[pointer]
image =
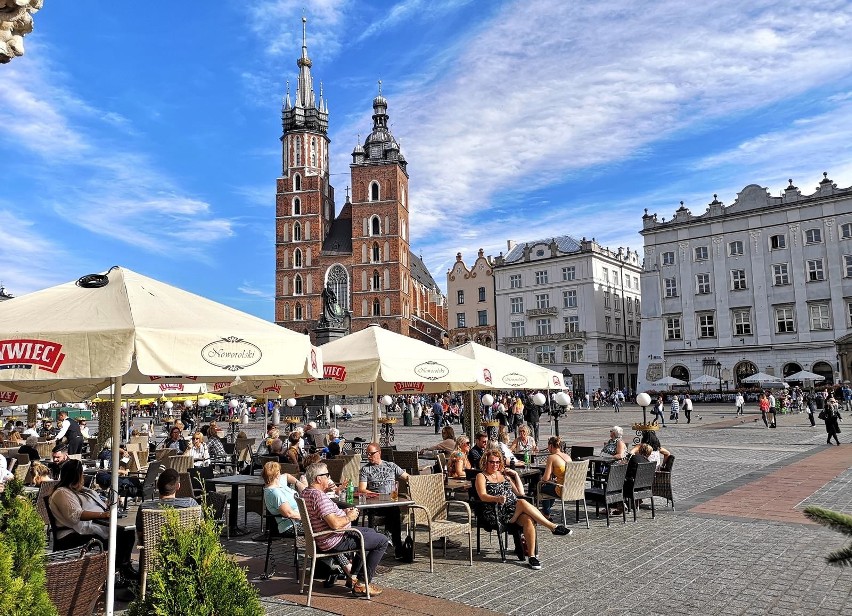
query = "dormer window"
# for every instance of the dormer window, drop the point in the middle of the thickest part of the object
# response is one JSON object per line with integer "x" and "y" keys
{"x": 374, "y": 191}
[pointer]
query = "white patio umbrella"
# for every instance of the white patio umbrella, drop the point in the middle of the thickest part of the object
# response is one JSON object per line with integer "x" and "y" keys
{"x": 804, "y": 375}
{"x": 704, "y": 379}
{"x": 668, "y": 381}
{"x": 378, "y": 361}
{"x": 498, "y": 370}
{"x": 122, "y": 327}
{"x": 761, "y": 378}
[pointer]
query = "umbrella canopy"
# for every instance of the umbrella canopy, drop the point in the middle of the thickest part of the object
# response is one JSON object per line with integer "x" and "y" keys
{"x": 804, "y": 375}
{"x": 668, "y": 381}
{"x": 156, "y": 390}
{"x": 124, "y": 326}
{"x": 498, "y": 370}
{"x": 705, "y": 379}
{"x": 761, "y": 378}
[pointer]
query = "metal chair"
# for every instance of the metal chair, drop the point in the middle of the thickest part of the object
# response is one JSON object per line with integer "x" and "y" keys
{"x": 483, "y": 522}
{"x": 293, "y": 469}
{"x": 430, "y": 510}
{"x": 643, "y": 483}
{"x": 312, "y": 551}
{"x": 272, "y": 534}
{"x": 254, "y": 504}
{"x": 153, "y": 521}
{"x": 217, "y": 505}
{"x": 149, "y": 483}
{"x": 611, "y": 492}
{"x": 581, "y": 451}
{"x": 573, "y": 489}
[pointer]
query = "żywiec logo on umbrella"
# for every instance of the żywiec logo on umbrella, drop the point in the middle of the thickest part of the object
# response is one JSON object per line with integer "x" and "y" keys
{"x": 169, "y": 387}
{"x": 25, "y": 354}
{"x": 231, "y": 353}
{"x": 431, "y": 370}
{"x": 513, "y": 379}
{"x": 332, "y": 372}
{"x": 404, "y": 386}
{"x": 486, "y": 376}
{"x": 9, "y": 396}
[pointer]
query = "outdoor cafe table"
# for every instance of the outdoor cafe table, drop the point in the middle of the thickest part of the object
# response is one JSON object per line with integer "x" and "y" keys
{"x": 235, "y": 481}
{"x": 595, "y": 464}
{"x": 373, "y": 502}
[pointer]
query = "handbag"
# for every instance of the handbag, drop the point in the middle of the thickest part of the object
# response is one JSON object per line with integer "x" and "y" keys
{"x": 408, "y": 549}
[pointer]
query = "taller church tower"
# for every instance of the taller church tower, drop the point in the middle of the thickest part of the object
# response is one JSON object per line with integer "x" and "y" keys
{"x": 304, "y": 201}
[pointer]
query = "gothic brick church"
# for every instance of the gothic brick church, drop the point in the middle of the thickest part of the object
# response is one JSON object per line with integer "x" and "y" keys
{"x": 363, "y": 251}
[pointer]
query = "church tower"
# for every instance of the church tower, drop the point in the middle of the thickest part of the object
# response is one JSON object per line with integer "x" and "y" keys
{"x": 380, "y": 248}
{"x": 304, "y": 201}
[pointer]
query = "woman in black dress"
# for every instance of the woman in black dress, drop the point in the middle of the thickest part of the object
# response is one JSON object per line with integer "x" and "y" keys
{"x": 830, "y": 415}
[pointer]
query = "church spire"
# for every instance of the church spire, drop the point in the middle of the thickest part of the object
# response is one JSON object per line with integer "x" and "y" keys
{"x": 304, "y": 112}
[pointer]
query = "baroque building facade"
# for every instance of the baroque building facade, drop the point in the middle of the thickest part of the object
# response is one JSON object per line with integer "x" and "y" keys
{"x": 470, "y": 302}
{"x": 761, "y": 285}
{"x": 361, "y": 253}
{"x": 571, "y": 305}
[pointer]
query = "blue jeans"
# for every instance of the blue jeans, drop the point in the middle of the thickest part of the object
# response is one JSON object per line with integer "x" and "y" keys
{"x": 549, "y": 489}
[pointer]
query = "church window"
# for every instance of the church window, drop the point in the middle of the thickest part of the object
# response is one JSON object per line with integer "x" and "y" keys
{"x": 298, "y": 147}
{"x": 298, "y": 312}
{"x": 297, "y": 206}
{"x": 377, "y": 308}
{"x": 297, "y": 285}
{"x": 375, "y": 226}
{"x": 297, "y": 182}
{"x": 374, "y": 191}
{"x": 339, "y": 281}
{"x": 377, "y": 255}
{"x": 297, "y": 258}
{"x": 313, "y": 151}
{"x": 377, "y": 281}
{"x": 297, "y": 232}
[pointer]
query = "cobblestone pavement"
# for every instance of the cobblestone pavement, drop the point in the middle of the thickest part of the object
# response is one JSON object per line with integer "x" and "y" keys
{"x": 682, "y": 562}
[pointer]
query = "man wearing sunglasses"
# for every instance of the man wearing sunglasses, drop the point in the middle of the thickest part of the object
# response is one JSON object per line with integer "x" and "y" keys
{"x": 380, "y": 477}
{"x": 325, "y": 515}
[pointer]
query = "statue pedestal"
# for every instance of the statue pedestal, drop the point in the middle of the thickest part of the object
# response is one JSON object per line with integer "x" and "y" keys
{"x": 327, "y": 334}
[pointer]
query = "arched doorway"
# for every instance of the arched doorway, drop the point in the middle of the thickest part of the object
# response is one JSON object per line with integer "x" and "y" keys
{"x": 680, "y": 372}
{"x": 823, "y": 368}
{"x": 791, "y": 368}
{"x": 742, "y": 370}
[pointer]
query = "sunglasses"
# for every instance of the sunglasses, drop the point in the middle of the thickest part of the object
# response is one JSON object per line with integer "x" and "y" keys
{"x": 323, "y": 475}
{"x": 493, "y": 461}
{"x": 371, "y": 453}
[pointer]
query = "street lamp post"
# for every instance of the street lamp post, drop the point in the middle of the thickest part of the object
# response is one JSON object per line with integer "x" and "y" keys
{"x": 719, "y": 372}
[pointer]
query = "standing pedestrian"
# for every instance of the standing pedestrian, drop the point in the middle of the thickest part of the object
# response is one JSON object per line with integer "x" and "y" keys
{"x": 810, "y": 403}
{"x": 763, "y": 404}
{"x": 830, "y": 415}
{"x": 675, "y": 409}
{"x": 687, "y": 408}
{"x": 739, "y": 403}
{"x": 657, "y": 411}
{"x": 437, "y": 414}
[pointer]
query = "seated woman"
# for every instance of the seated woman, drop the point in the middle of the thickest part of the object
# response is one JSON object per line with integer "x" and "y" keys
{"x": 215, "y": 444}
{"x": 81, "y": 514}
{"x": 39, "y": 473}
{"x": 658, "y": 453}
{"x": 333, "y": 443}
{"x": 448, "y": 445}
{"x": 458, "y": 462}
{"x": 497, "y": 484}
{"x": 29, "y": 448}
{"x": 615, "y": 446}
{"x": 554, "y": 473}
{"x": 175, "y": 441}
{"x": 524, "y": 443}
{"x": 280, "y": 498}
{"x": 199, "y": 451}
{"x": 642, "y": 453}
{"x": 293, "y": 454}
{"x": 503, "y": 445}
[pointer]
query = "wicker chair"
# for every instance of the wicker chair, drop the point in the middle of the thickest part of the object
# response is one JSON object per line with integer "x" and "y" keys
{"x": 217, "y": 504}
{"x": 431, "y": 509}
{"x": 335, "y": 469}
{"x": 663, "y": 481}
{"x": 313, "y": 553}
{"x": 45, "y": 448}
{"x": 180, "y": 463}
{"x": 184, "y": 486}
{"x": 611, "y": 492}
{"x": 22, "y": 472}
{"x": 573, "y": 489}
{"x": 163, "y": 454}
{"x": 293, "y": 469}
{"x": 153, "y": 521}
{"x": 149, "y": 483}
{"x": 407, "y": 460}
{"x": 254, "y": 503}
{"x": 642, "y": 486}
{"x": 75, "y": 578}
{"x": 45, "y": 489}
{"x": 272, "y": 534}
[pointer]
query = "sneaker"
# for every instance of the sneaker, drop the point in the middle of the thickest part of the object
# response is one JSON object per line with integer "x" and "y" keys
{"x": 534, "y": 563}
{"x": 360, "y": 589}
{"x": 562, "y": 530}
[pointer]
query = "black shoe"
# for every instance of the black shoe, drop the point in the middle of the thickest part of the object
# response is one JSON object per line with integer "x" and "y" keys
{"x": 534, "y": 563}
{"x": 399, "y": 553}
{"x": 562, "y": 530}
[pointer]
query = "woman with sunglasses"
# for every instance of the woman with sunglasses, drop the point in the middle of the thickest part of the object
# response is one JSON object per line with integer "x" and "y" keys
{"x": 497, "y": 484}
{"x": 199, "y": 451}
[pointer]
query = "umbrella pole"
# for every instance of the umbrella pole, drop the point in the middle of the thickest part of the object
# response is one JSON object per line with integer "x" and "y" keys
{"x": 375, "y": 438}
{"x": 113, "y": 499}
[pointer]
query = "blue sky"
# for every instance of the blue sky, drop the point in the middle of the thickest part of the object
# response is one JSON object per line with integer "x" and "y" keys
{"x": 150, "y": 138}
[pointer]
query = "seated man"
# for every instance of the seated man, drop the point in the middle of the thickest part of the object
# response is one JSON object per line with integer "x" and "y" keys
{"x": 380, "y": 477}
{"x": 167, "y": 485}
{"x": 325, "y": 515}
{"x": 59, "y": 456}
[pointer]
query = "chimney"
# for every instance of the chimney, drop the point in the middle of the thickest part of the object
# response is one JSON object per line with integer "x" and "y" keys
{"x": 510, "y": 244}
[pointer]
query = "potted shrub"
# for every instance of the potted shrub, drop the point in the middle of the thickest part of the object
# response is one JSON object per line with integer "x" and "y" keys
{"x": 23, "y": 589}
{"x": 193, "y": 574}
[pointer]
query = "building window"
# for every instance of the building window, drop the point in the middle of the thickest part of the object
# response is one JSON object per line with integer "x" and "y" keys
{"x": 460, "y": 319}
{"x": 376, "y": 253}
{"x": 607, "y": 324}
{"x": 569, "y": 273}
{"x": 738, "y": 280}
{"x": 815, "y": 270}
{"x": 606, "y": 299}
{"x": 820, "y": 316}
{"x": 637, "y": 312}
{"x": 617, "y": 302}
{"x": 608, "y": 349}
{"x": 572, "y": 353}
{"x": 569, "y": 298}
{"x": 632, "y": 354}
{"x": 605, "y": 275}
{"x": 541, "y": 277}
{"x": 516, "y": 305}
{"x": 669, "y": 258}
{"x": 297, "y": 182}
{"x": 542, "y": 300}
{"x": 297, "y": 258}
{"x": 735, "y": 249}
{"x": 482, "y": 317}
{"x": 377, "y": 308}
{"x": 671, "y": 287}
{"x": 780, "y": 274}
{"x": 515, "y": 281}
{"x": 777, "y": 242}
{"x": 706, "y": 326}
{"x": 701, "y": 253}
{"x": 702, "y": 284}
{"x": 297, "y": 206}
{"x": 617, "y": 325}
{"x": 482, "y": 294}
{"x": 673, "y": 330}
{"x": 545, "y": 354}
{"x": 629, "y": 305}
{"x": 619, "y": 351}
{"x": 340, "y": 283}
{"x": 849, "y": 310}
{"x": 846, "y": 231}
{"x": 517, "y": 329}
{"x": 813, "y": 236}
{"x": 375, "y": 226}
{"x": 626, "y": 281}
{"x": 297, "y": 285}
{"x": 572, "y": 323}
{"x": 460, "y": 297}
{"x": 377, "y": 281}
{"x": 297, "y": 312}
{"x": 542, "y": 327}
{"x": 784, "y": 323}
{"x": 374, "y": 191}
{"x": 847, "y": 266}
{"x": 518, "y": 352}
{"x": 742, "y": 322}
{"x": 629, "y": 327}
{"x": 297, "y": 232}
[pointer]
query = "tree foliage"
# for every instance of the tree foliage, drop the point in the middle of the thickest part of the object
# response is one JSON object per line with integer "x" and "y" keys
{"x": 839, "y": 522}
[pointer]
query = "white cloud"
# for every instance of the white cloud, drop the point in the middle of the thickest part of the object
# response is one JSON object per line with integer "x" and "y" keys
{"x": 250, "y": 289}
{"x": 276, "y": 21}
